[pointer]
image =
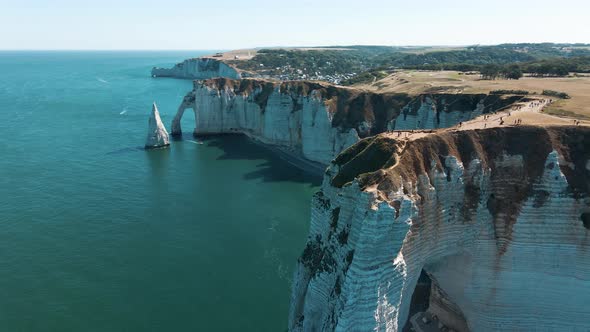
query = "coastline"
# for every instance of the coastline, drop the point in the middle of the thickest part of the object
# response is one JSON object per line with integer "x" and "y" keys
{"x": 296, "y": 160}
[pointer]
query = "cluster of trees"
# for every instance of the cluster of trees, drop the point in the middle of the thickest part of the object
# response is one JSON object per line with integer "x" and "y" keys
{"x": 548, "y": 50}
{"x": 493, "y": 71}
{"x": 474, "y": 57}
{"x": 508, "y": 61}
{"x": 509, "y": 92}
{"x": 557, "y": 94}
{"x": 366, "y": 77}
{"x": 557, "y": 67}
{"x": 324, "y": 61}
{"x": 357, "y": 59}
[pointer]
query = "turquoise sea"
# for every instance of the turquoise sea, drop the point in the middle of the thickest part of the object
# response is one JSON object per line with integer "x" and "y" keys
{"x": 97, "y": 234}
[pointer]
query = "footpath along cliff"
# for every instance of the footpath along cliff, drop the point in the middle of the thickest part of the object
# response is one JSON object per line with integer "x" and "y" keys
{"x": 497, "y": 218}
{"x": 316, "y": 120}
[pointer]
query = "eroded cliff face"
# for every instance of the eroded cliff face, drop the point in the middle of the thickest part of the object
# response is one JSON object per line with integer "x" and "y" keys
{"x": 317, "y": 121}
{"x": 198, "y": 68}
{"x": 499, "y": 219}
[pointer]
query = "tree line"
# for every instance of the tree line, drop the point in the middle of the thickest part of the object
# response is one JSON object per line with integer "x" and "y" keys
{"x": 503, "y": 61}
{"x": 555, "y": 67}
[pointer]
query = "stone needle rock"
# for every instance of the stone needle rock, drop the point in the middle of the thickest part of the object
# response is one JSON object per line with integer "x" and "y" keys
{"x": 157, "y": 136}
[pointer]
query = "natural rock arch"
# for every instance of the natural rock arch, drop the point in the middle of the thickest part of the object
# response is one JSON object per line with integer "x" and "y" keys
{"x": 176, "y": 126}
{"x": 421, "y": 295}
{"x": 433, "y": 289}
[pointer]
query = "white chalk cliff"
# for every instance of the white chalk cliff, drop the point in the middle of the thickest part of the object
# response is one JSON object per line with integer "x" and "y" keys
{"x": 317, "y": 121}
{"x": 157, "y": 136}
{"x": 198, "y": 68}
{"x": 498, "y": 218}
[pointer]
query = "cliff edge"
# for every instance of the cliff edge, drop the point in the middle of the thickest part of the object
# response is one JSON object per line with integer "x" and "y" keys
{"x": 198, "y": 68}
{"x": 318, "y": 120}
{"x": 497, "y": 218}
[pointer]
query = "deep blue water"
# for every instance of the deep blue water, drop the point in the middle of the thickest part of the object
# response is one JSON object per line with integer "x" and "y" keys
{"x": 97, "y": 234}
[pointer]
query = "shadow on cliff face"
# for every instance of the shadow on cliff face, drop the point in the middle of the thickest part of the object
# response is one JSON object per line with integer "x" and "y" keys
{"x": 273, "y": 167}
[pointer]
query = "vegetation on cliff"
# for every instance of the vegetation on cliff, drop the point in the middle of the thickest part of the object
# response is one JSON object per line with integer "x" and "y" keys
{"x": 362, "y": 64}
{"x": 392, "y": 160}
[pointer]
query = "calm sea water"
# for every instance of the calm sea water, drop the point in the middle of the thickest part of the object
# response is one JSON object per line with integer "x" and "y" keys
{"x": 97, "y": 234}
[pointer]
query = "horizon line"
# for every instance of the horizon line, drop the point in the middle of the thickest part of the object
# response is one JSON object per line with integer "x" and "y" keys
{"x": 281, "y": 46}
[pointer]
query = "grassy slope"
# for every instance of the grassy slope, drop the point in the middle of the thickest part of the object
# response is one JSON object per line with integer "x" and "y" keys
{"x": 417, "y": 82}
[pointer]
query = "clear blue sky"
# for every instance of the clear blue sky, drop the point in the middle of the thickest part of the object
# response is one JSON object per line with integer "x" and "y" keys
{"x": 230, "y": 24}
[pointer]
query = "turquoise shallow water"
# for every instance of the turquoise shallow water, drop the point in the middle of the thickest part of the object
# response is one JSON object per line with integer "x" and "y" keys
{"x": 97, "y": 234}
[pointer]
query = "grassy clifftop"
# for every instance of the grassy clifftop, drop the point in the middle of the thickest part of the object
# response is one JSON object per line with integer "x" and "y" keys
{"x": 368, "y": 112}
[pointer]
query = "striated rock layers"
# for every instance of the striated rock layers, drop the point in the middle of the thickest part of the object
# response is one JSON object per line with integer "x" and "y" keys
{"x": 157, "y": 136}
{"x": 498, "y": 218}
{"x": 317, "y": 121}
{"x": 198, "y": 68}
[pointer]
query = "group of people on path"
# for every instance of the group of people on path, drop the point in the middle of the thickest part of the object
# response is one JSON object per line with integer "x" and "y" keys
{"x": 408, "y": 132}
{"x": 487, "y": 116}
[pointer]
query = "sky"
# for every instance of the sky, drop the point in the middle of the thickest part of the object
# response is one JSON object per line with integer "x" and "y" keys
{"x": 232, "y": 24}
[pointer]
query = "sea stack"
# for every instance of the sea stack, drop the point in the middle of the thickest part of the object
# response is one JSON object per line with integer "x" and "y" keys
{"x": 157, "y": 135}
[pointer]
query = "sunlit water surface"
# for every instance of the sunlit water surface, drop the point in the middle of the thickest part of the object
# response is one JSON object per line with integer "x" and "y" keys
{"x": 97, "y": 234}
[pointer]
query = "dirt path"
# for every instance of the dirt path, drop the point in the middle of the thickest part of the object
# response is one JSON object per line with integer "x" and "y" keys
{"x": 529, "y": 113}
